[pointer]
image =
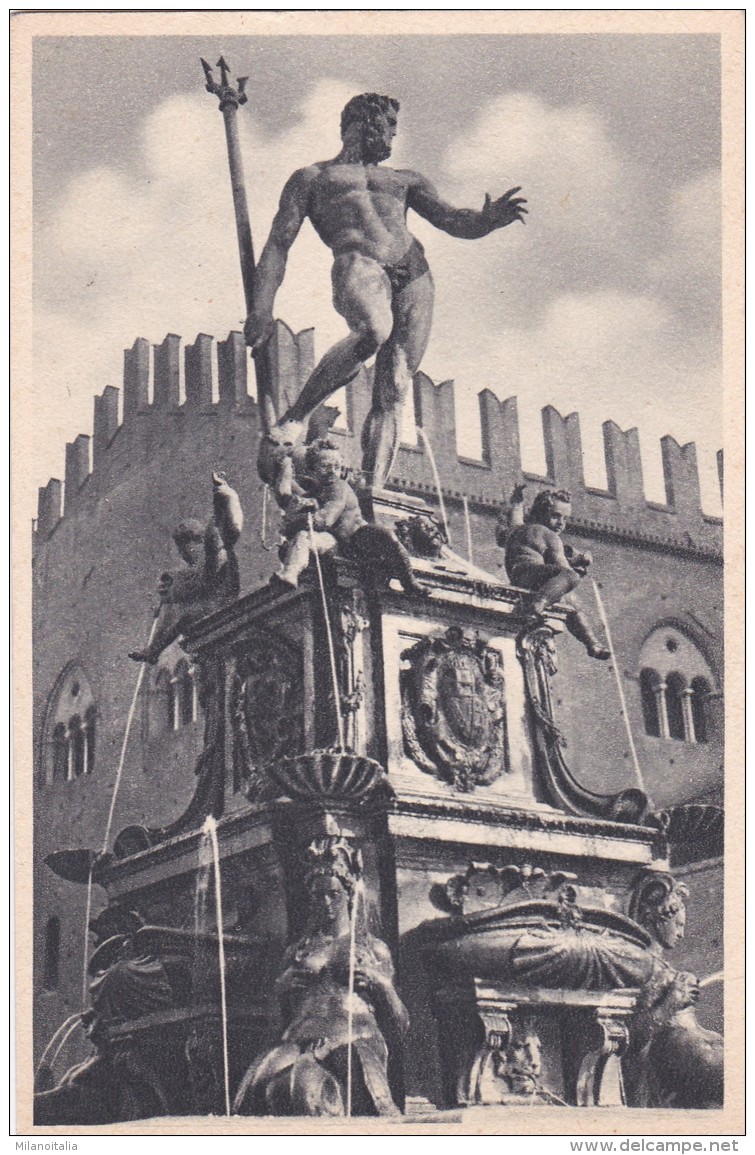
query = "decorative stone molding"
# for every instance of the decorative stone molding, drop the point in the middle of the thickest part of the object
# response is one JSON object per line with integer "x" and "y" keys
{"x": 536, "y": 650}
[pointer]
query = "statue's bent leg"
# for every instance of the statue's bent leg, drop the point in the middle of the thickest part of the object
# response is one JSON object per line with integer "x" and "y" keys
{"x": 549, "y": 583}
{"x": 362, "y": 295}
{"x": 578, "y": 625}
{"x": 297, "y": 556}
{"x": 396, "y": 363}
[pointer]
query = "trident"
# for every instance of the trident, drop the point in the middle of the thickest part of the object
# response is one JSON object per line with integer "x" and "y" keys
{"x": 230, "y": 98}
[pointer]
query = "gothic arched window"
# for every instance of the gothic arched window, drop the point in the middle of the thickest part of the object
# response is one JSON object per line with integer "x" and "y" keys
{"x": 651, "y": 714}
{"x": 59, "y": 752}
{"x": 90, "y": 728}
{"x": 78, "y": 751}
{"x": 699, "y": 702}
{"x": 675, "y": 691}
{"x": 188, "y": 697}
{"x": 675, "y": 687}
{"x": 67, "y": 749}
{"x": 176, "y": 692}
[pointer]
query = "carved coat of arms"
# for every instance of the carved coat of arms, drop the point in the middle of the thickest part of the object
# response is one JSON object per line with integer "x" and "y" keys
{"x": 453, "y": 708}
{"x": 266, "y": 707}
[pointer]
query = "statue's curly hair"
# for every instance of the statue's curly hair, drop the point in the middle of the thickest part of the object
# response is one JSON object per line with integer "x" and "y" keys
{"x": 657, "y": 895}
{"x": 321, "y": 445}
{"x": 543, "y": 504}
{"x": 365, "y": 107}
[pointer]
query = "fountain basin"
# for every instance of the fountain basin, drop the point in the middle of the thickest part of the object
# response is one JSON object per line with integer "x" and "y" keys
{"x": 329, "y": 774}
{"x": 529, "y": 943}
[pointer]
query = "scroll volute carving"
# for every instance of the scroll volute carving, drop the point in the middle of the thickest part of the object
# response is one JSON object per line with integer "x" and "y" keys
{"x": 353, "y": 621}
{"x": 537, "y": 653}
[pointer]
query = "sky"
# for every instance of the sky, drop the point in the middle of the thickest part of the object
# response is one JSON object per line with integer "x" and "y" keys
{"x": 607, "y": 302}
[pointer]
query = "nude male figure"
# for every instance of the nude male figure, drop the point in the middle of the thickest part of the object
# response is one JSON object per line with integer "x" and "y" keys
{"x": 382, "y": 285}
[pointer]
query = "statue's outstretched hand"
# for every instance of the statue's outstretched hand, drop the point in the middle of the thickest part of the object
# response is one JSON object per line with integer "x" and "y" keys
{"x": 258, "y": 328}
{"x": 504, "y": 211}
{"x": 580, "y": 562}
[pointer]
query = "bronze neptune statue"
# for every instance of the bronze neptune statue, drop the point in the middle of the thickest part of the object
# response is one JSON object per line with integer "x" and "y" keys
{"x": 382, "y": 285}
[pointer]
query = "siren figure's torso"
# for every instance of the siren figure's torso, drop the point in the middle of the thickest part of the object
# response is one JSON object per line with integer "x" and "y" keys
{"x": 318, "y": 984}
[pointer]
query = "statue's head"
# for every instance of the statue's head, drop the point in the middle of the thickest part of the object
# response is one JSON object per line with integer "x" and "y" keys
{"x": 371, "y": 119}
{"x": 332, "y": 873}
{"x": 685, "y": 990}
{"x": 524, "y": 1059}
{"x": 323, "y": 461}
{"x": 551, "y": 508}
{"x": 659, "y": 904}
{"x": 422, "y": 535}
{"x": 189, "y": 536}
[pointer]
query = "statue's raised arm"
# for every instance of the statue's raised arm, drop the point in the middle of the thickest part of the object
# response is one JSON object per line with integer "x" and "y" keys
{"x": 468, "y": 224}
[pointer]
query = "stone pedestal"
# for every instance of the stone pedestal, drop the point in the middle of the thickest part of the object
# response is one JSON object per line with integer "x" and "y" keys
{"x": 449, "y": 777}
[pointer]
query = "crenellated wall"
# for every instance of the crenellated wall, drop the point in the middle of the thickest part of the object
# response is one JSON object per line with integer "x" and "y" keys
{"x": 102, "y": 540}
{"x": 621, "y": 509}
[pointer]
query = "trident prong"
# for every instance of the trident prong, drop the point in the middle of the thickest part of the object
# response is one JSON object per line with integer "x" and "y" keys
{"x": 228, "y": 96}
{"x": 210, "y": 85}
{"x": 224, "y": 70}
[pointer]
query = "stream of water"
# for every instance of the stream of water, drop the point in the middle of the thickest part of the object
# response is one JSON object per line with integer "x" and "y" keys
{"x": 622, "y": 699}
{"x": 210, "y": 829}
{"x": 358, "y": 898}
{"x": 436, "y": 476}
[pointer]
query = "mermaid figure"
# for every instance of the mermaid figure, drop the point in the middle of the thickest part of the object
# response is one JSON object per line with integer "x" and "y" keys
{"x": 330, "y": 1034}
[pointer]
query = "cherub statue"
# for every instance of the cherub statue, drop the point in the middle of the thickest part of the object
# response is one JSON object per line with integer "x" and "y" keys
{"x": 307, "y": 1072}
{"x": 538, "y": 560}
{"x": 211, "y": 576}
{"x": 314, "y": 485}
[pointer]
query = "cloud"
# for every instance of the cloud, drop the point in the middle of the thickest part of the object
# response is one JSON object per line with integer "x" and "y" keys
{"x": 618, "y": 355}
{"x": 562, "y": 156}
{"x": 152, "y": 250}
{"x": 605, "y": 303}
{"x": 687, "y": 269}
